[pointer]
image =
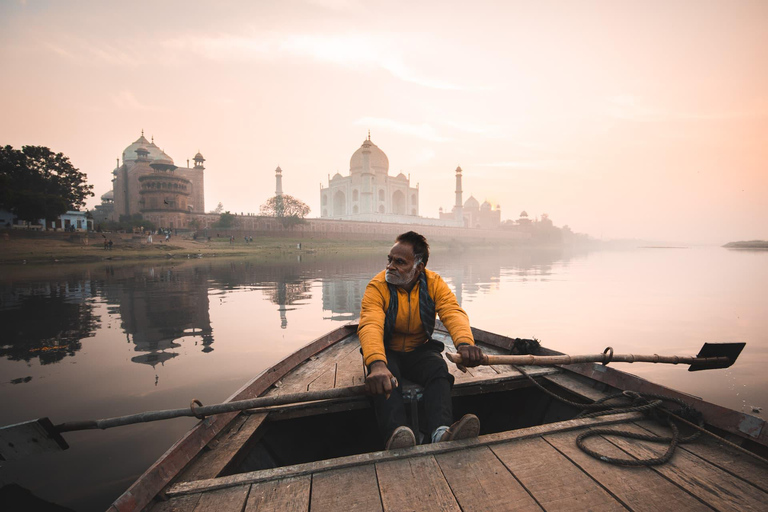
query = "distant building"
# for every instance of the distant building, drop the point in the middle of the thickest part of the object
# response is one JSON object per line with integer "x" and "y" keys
{"x": 472, "y": 214}
{"x": 369, "y": 193}
{"x": 149, "y": 183}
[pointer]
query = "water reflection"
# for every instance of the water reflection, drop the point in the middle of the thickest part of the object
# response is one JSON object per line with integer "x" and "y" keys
{"x": 46, "y": 321}
{"x": 162, "y": 305}
{"x": 158, "y": 306}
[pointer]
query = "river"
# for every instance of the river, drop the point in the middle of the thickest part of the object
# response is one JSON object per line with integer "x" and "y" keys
{"x": 88, "y": 342}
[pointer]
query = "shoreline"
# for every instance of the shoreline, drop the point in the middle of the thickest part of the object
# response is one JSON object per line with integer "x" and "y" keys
{"x": 45, "y": 248}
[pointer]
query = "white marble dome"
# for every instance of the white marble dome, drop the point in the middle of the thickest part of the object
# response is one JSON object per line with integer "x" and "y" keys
{"x": 377, "y": 159}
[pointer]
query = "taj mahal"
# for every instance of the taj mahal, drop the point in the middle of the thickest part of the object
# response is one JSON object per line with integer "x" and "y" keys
{"x": 370, "y": 194}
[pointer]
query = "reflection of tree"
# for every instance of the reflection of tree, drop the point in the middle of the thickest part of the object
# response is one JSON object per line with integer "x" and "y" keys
{"x": 46, "y": 321}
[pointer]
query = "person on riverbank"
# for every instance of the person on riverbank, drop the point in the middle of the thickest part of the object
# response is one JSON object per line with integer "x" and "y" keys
{"x": 396, "y": 323}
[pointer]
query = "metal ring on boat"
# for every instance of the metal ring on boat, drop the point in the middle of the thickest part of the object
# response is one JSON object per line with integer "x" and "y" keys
{"x": 609, "y": 352}
{"x": 198, "y": 403}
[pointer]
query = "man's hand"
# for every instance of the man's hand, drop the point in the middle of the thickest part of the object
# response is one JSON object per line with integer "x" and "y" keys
{"x": 471, "y": 355}
{"x": 380, "y": 380}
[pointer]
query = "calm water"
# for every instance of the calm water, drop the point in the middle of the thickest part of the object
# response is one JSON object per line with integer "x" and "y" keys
{"x": 100, "y": 341}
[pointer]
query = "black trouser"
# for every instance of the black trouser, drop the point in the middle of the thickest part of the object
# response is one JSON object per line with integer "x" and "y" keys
{"x": 424, "y": 366}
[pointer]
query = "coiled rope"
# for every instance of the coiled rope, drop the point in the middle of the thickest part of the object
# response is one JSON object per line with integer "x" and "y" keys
{"x": 631, "y": 401}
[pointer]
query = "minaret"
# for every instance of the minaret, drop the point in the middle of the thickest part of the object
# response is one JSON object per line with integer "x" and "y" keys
{"x": 458, "y": 208}
{"x": 278, "y": 181}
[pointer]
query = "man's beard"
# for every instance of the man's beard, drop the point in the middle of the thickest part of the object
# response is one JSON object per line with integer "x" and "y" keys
{"x": 397, "y": 279}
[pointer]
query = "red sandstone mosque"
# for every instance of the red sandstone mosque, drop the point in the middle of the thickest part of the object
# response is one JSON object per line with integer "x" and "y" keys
{"x": 149, "y": 183}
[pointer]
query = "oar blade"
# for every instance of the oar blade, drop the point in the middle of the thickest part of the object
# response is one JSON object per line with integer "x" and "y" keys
{"x": 730, "y": 351}
{"x": 28, "y": 438}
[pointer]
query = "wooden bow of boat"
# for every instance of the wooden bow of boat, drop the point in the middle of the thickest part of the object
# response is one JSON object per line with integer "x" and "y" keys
{"x": 245, "y": 461}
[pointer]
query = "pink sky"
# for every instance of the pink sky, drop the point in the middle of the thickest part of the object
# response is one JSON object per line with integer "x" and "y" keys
{"x": 643, "y": 119}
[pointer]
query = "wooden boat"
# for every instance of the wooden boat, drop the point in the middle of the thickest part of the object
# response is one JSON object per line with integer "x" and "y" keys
{"x": 326, "y": 455}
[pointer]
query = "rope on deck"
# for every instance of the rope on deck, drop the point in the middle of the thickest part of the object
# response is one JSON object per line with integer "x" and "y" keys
{"x": 631, "y": 401}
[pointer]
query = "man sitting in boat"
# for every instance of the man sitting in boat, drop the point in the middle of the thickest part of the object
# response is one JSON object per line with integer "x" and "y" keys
{"x": 396, "y": 325}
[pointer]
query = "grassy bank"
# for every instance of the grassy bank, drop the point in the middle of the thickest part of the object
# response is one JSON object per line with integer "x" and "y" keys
{"x": 45, "y": 248}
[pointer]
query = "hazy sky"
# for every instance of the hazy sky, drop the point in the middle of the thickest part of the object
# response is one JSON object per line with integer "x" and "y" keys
{"x": 644, "y": 119}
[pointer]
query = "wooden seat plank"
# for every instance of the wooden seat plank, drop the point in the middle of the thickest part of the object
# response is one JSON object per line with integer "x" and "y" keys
{"x": 288, "y": 495}
{"x": 414, "y": 484}
{"x": 722, "y": 456}
{"x": 222, "y": 450}
{"x": 223, "y": 500}
{"x": 346, "y": 489}
{"x": 480, "y": 482}
{"x": 639, "y": 488}
{"x": 552, "y": 479}
{"x": 719, "y": 489}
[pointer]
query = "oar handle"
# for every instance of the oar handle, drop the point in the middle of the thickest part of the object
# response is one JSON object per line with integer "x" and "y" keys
{"x": 605, "y": 358}
{"x": 201, "y": 411}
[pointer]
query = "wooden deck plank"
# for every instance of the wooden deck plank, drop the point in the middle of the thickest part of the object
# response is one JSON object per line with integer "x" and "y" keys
{"x": 326, "y": 380}
{"x": 553, "y": 480}
{"x": 709, "y": 483}
{"x": 414, "y": 484}
{"x": 212, "y": 462}
{"x": 722, "y": 456}
{"x": 225, "y": 500}
{"x": 639, "y": 488}
{"x": 480, "y": 482}
{"x": 300, "y": 378}
{"x": 346, "y": 489}
{"x": 178, "y": 504}
{"x": 309, "y": 468}
{"x": 289, "y": 495}
{"x": 349, "y": 370}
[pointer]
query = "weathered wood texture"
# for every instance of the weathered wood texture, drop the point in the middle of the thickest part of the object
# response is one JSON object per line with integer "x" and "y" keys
{"x": 414, "y": 484}
{"x": 346, "y": 490}
{"x": 383, "y": 456}
{"x": 639, "y": 488}
{"x": 722, "y": 456}
{"x": 289, "y": 495}
{"x": 712, "y": 485}
{"x": 553, "y": 481}
{"x": 223, "y": 450}
{"x": 225, "y": 500}
{"x": 178, "y": 504}
{"x": 480, "y": 482}
{"x": 173, "y": 461}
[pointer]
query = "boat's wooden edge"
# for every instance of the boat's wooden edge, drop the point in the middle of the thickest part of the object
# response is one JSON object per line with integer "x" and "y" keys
{"x": 734, "y": 422}
{"x": 265, "y": 475}
{"x": 176, "y": 458}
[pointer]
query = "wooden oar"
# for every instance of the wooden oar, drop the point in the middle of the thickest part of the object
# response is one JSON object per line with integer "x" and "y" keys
{"x": 41, "y": 435}
{"x": 711, "y": 356}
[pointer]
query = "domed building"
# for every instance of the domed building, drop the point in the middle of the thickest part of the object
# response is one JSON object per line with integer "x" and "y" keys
{"x": 369, "y": 193}
{"x": 149, "y": 183}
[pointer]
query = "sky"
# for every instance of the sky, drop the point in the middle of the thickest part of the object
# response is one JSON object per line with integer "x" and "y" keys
{"x": 621, "y": 119}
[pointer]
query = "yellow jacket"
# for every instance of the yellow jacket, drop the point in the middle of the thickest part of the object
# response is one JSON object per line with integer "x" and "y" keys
{"x": 408, "y": 332}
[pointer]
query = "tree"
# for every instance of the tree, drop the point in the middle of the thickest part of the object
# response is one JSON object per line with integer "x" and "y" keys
{"x": 219, "y": 208}
{"x": 284, "y": 206}
{"x": 36, "y": 183}
{"x": 227, "y": 220}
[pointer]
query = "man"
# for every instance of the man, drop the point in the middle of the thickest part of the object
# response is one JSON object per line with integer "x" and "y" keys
{"x": 396, "y": 323}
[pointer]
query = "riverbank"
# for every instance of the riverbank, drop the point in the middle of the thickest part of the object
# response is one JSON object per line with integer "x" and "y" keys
{"x": 46, "y": 248}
